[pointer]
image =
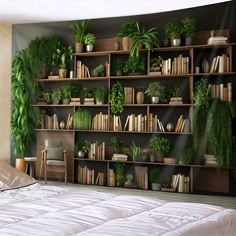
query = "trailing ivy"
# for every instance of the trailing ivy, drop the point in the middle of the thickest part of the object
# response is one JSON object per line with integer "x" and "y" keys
{"x": 218, "y": 137}
{"x": 117, "y": 98}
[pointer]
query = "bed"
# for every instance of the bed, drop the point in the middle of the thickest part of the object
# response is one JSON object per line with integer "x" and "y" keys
{"x": 29, "y": 208}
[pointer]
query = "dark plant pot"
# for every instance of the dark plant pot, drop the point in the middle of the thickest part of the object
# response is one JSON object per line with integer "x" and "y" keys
{"x": 79, "y": 47}
{"x": 188, "y": 41}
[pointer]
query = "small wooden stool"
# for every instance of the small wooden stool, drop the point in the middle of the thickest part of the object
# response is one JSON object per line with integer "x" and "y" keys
{"x": 30, "y": 164}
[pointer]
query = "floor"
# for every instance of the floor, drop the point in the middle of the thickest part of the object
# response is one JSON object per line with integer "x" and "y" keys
{"x": 224, "y": 201}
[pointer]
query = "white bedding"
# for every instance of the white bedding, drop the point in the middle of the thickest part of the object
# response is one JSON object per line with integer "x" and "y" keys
{"x": 48, "y": 210}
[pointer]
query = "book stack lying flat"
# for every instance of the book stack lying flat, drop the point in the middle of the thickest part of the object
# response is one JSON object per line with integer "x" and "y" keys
{"x": 119, "y": 157}
{"x": 217, "y": 40}
{"x": 210, "y": 160}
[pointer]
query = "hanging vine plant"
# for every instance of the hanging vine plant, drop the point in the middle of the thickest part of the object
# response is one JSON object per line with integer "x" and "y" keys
{"x": 218, "y": 139}
{"x": 117, "y": 98}
{"x": 23, "y": 120}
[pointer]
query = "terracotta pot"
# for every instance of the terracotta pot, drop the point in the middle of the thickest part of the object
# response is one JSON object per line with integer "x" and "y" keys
{"x": 62, "y": 73}
{"x": 79, "y": 47}
{"x": 126, "y": 43}
{"x": 169, "y": 160}
{"x": 20, "y": 164}
{"x": 140, "y": 97}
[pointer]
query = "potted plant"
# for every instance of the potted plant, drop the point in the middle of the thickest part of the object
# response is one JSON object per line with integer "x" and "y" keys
{"x": 66, "y": 94}
{"x": 117, "y": 98}
{"x": 82, "y": 119}
{"x": 133, "y": 66}
{"x": 135, "y": 150}
{"x": 141, "y": 37}
{"x": 23, "y": 117}
{"x": 161, "y": 146}
{"x": 174, "y": 31}
{"x": 56, "y": 96}
{"x": 89, "y": 40}
{"x": 186, "y": 155}
{"x": 125, "y": 33}
{"x": 155, "y": 91}
{"x": 100, "y": 95}
{"x": 83, "y": 148}
{"x": 70, "y": 59}
{"x": 116, "y": 143}
{"x": 156, "y": 65}
{"x": 189, "y": 27}
{"x": 80, "y": 30}
{"x": 120, "y": 173}
{"x": 98, "y": 71}
{"x": 155, "y": 178}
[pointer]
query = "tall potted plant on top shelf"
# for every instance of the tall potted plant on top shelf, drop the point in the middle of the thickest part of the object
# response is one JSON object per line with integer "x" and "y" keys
{"x": 125, "y": 33}
{"x": 189, "y": 26}
{"x": 174, "y": 32}
{"x": 80, "y": 30}
{"x": 142, "y": 37}
{"x": 89, "y": 41}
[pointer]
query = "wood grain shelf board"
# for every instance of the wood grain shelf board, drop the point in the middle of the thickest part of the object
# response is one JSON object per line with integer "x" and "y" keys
{"x": 71, "y": 79}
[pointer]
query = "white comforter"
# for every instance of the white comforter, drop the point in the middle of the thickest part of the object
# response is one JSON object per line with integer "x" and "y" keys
{"x": 46, "y": 210}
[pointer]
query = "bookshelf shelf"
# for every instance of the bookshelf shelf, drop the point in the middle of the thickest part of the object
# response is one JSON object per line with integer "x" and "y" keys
{"x": 166, "y": 113}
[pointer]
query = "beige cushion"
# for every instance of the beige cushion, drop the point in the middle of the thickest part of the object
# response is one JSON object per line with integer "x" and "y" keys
{"x": 55, "y": 163}
{"x": 53, "y": 143}
{"x": 11, "y": 178}
{"x": 55, "y": 154}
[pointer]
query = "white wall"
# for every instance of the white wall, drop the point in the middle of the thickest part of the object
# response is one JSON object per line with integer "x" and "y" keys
{"x": 5, "y": 89}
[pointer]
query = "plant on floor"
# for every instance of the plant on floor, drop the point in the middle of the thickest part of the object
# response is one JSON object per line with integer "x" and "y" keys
{"x": 117, "y": 98}
{"x": 23, "y": 118}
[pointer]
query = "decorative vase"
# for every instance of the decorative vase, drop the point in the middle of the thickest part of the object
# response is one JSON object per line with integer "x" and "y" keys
{"x": 169, "y": 127}
{"x": 62, "y": 124}
{"x": 116, "y": 44}
{"x": 81, "y": 154}
{"x": 71, "y": 74}
{"x": 89, "y": 48}
{"x": 140, "y": 97}
{"x": 79, "y": 47}
{"x": 205, "y": 66}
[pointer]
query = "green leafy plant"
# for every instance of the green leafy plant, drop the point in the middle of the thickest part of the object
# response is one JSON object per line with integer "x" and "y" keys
{"x": 135, "y": 150}
{"x": 160, "y": 144}
{"x": 186, "y": 156}
{"x": 173, "y": 29}
{"x": 155, "y": 89}
{"x": 66, "y": 91}
{"x": 98, "y": 71}
{"x": 75, "y": 89}
{"x": 155, "y": 175}
{"x": 117, "y": 98}
{"x": 189, "y": 25}
{"x": 100, "y": 94}
{"x": 218, "y": 141}
{"x": 44, "y": 97}
{"x": 80, "y": 30}
{"x": 84, "y": 146}
{"x": 133, "y": 64}
{"x": 156, "y": 62}
{"x": 141, "y": 36}
{"x": 56, "y": 95}
{"x": 60, "y": 56}
{"x": 89, "y": 39}
{"x": 116, "y": 142}
{"x": 82, "y": 119}
{"x": 119, "y": 168}
{"x": 202, "y": 102}
{"x": 127, "y": 28}
{"x": 23, "y": 117}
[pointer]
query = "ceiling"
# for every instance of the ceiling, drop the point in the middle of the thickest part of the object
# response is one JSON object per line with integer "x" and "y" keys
{"x": 36, "y": 11}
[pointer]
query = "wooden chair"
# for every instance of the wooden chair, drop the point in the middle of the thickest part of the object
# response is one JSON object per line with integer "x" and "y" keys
{"x": 53, "y": 159}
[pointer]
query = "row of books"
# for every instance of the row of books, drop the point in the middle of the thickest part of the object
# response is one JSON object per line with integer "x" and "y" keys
{"x": 177, "y": 65}
{"x": 220, "y": 64}
{"x": 180, "y": 183}
{"x": 105, "y": 122}
{"x": 87, "y": 176}
{"x": 129, "y": 95}
{"x": 221, "y": 91}
{"x": 97, "y": 151}
{"x": 48, "y": 121}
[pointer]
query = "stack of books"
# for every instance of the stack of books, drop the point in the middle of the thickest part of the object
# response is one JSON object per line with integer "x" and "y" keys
{"x": 217, "y": 40}
{"x": 210, "y": 160}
